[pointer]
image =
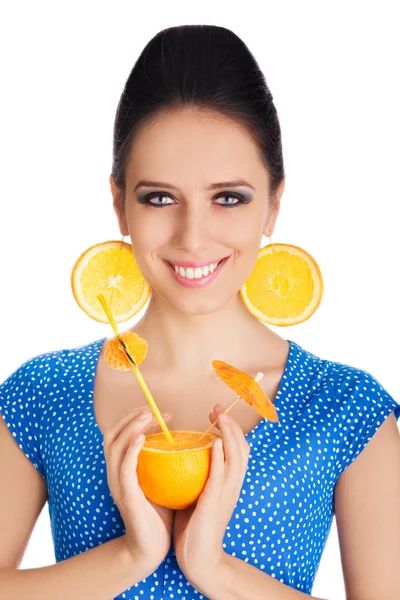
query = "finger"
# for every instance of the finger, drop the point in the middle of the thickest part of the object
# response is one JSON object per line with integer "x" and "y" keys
{"x": 217, "y": 469}
{"x": 141, "y": 423}
{"x": 167, "y": 418}
{"x": 113, "y": 459}
{"x": 215, "y": 412}
{"x": 236, "y": 457}
{"x": 116, "y": 450}
{"x": 237, "y": 467}
{"x": 113, "y": 432}
{"x": 232, "y": 450}
{"x": 215, "y": 482}
{"x": 127, "y": 474}
{"x": 154, "y": 421}
{"x": 213, "y": 419}
{"x": 244, "y": 446}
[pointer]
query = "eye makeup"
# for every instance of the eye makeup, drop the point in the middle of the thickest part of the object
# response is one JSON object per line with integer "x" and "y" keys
{"x": 241, "y": 197}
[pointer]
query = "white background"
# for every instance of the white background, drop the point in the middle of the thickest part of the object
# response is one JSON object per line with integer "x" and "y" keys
{"x": 333, "y": 72}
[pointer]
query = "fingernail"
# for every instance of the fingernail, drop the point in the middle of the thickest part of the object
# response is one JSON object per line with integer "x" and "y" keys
{"x": 139, "y": 439}
{"x": 144, "y": 416}
{"x": 225, "y": 418}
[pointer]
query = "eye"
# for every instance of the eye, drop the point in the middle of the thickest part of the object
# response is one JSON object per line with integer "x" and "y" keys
{"x": 240, "y": 199}
{"x": 157, "y": 195}
{"x": 234, "y": 198}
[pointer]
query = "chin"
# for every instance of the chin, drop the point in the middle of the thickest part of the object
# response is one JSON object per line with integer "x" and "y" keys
{"x": 199, "y": 306}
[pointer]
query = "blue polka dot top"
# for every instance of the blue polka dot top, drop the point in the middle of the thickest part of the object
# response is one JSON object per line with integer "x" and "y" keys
{"x": 328, "y": 411}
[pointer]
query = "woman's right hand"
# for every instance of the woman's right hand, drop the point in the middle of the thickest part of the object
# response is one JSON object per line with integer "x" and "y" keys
{"x": 148, "y": 526}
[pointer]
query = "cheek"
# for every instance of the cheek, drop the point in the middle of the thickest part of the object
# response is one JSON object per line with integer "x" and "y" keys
{"x": 245, "y": 237}
{"x": 243, "y": 234}
{"x": 148, "y": 234}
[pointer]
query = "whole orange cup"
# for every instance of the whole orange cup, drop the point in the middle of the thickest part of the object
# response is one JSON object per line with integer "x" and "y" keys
{"x": 174, "y": 476}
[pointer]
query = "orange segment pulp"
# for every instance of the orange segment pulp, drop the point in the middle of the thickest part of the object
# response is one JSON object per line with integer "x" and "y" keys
{"x": 115, "y": 357}
{"x": 285, "y": 287}
{"x": 109, "y": 268}
{"x": 175, "y": 476}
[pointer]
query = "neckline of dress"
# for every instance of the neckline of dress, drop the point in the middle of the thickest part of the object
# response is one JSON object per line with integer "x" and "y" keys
{"x": 294, "y": 348}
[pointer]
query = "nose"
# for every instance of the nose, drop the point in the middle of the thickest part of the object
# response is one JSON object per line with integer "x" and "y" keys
{"x": 192, "y": 229}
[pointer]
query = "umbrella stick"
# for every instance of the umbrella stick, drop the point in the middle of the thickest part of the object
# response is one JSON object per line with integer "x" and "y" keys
{"x": 257, "y": 378}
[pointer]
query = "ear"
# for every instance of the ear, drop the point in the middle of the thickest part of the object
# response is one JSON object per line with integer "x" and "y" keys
{"x": 274, "y": 211}
{"x": 119, "y": 206}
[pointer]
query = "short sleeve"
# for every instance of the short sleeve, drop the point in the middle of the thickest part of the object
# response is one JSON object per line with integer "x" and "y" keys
{"x": 364, "y": 404}
{"x": 21, "y": 412}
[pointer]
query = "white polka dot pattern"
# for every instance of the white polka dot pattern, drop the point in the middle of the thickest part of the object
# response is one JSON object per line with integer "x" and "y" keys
{"x": 328, "y": 411}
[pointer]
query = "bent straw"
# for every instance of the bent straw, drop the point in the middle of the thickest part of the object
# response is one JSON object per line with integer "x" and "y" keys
{"x": 257, "y": 378}
{"x": 134, "y": 367}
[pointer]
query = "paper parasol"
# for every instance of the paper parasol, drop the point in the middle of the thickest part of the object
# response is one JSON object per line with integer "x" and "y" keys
{"x": 247, "y": 388}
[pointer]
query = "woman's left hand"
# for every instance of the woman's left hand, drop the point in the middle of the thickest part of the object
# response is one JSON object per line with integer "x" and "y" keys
{"x": 199, "y": 529}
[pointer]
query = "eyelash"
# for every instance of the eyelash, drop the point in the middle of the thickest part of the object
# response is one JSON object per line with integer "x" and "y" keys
{"x": 241, "y": 199}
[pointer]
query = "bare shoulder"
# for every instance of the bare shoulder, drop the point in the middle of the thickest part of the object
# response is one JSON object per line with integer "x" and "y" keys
{"x": 367, "y": 510}
{"x": 23, "y": 494}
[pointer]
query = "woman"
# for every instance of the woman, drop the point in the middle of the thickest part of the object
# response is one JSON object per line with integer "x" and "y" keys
{"x": 195, "y": 112}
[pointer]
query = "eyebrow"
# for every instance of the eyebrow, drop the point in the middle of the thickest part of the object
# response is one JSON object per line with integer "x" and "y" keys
{"x": 213, "y": 186}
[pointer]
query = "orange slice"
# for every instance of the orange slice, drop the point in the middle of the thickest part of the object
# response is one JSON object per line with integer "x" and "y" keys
{"x": 247, "y": 388}
{"x": 174, "y": 476}
{"x": 110, "y": 269}
{"x": 115, "y": 357}
{"x": 285, "y": 287}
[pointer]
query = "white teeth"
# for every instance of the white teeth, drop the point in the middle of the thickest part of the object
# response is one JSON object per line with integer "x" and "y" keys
{"x": 196, "y": 273}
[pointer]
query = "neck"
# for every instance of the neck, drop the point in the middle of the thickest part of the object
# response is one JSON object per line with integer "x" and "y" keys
{"x": 191, "y": 342}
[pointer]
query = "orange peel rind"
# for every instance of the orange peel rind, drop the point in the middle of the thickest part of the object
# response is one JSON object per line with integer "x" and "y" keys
{"x": 110, "y": 269}
{"x": 175, "y": 476}
{"x": 285, "y": 287}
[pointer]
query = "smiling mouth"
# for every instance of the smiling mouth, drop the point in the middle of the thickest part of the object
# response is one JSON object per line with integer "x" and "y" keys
{"x": 197, "y": 282}
{"x": 218, "y": 263}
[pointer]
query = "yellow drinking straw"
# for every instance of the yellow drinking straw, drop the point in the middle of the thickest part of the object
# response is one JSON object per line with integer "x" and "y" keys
{"x": 136, "y": 371}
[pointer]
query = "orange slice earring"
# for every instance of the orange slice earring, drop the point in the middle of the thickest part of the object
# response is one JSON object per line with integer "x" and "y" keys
{"x": 285, "y": 286}
{"x": 109, "y": 268}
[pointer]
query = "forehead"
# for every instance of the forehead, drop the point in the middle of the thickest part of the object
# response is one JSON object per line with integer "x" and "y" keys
{"x": 187, "y": 146}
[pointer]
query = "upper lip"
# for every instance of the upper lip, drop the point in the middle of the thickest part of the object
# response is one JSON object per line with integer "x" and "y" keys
{"x": 194, "y": 265}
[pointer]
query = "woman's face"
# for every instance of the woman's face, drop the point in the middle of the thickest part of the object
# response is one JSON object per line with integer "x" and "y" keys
{"x": 186, "y": 216}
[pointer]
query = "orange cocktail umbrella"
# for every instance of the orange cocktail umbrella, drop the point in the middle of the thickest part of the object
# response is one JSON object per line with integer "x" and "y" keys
{"x": 247, "y": 388}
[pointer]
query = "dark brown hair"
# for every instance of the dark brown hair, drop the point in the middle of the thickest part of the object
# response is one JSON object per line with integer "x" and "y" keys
{"x": 205, "y": 67}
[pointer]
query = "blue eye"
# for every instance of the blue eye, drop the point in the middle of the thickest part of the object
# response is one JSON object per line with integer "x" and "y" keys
{"x": 156, "y": 195}
{"x": 230, "y": 195}
{"x": 240, "y": 199}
